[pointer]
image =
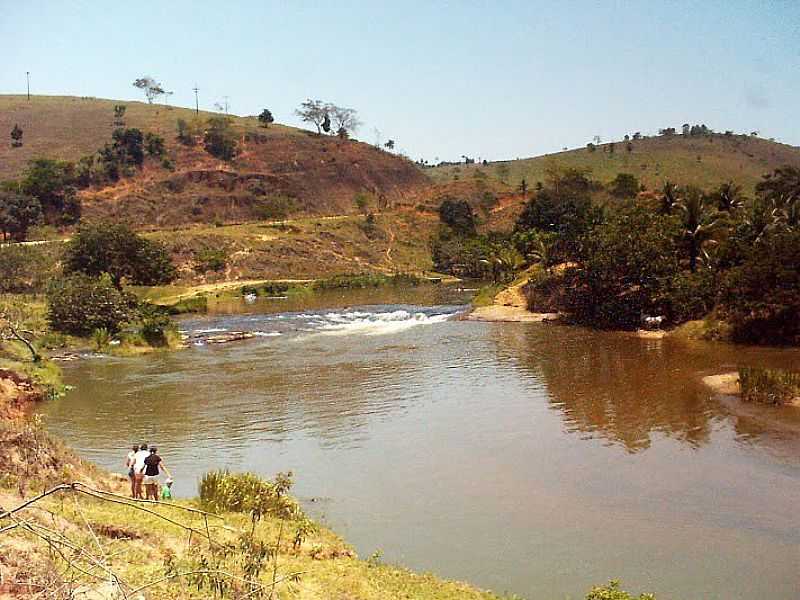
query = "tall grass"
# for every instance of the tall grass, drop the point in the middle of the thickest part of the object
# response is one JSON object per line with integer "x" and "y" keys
{"x": 768, "y": 386}
{"x": 223, "y": 491}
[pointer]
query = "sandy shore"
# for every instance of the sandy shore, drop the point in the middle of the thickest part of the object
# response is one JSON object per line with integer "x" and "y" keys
{"x": 726, "y": 384}
{"x": 510, "y": 306}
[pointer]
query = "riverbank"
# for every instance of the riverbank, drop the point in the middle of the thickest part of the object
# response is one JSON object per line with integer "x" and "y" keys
{"x": 84, "y": 539}
{"x": 509, "y": 306}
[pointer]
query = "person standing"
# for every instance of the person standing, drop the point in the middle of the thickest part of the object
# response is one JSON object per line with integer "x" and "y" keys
{"x": 138, "y": 471}
{"x": 153, "y": 466}
{"x": 129, "y": 462}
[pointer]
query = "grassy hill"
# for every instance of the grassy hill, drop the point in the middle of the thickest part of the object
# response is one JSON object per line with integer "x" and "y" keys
{"x": 321, "y": 174}
{"x": 705, "y": 161}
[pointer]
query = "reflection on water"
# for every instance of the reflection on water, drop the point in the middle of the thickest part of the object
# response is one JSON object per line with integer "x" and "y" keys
{"x": 524, "y": 457}
{"x": 624, "y": 389}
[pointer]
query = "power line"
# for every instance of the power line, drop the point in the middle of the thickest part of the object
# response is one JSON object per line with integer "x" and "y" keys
{"x": 196, "y": 102}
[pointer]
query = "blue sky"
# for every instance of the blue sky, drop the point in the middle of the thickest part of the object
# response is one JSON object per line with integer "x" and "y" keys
{"x": 492, "y": 80}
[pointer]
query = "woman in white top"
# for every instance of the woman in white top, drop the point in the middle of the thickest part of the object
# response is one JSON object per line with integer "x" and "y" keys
{"x": 129, "y": 462}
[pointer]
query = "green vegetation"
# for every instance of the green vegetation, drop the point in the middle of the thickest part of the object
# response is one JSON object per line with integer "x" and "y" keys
{"x": 674, "y": 258}
{"x": 211, "y": 259}
{"x": 365, "y": 280}
{"x": 119, "y": 252}
{"x": 219, "y": 138}
{"x": 652, "y": 160}
{"x": 613, "y": 592}
{"x": 768, "y": 386}
{"x": 222, "y": 491}
{"x": 80, "y": 304}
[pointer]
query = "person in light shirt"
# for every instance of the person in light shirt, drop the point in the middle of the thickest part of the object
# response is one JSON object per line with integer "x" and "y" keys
{"x": 129, "y": 462}
{"x": 138, "y": 471}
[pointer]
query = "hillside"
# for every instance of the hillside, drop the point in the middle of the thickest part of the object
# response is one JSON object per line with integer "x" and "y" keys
{"x": 705, "y": 161}
{"x": 321, "y": 174}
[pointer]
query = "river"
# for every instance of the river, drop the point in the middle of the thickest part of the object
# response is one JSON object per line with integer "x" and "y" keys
{"x": 531, "y": 458}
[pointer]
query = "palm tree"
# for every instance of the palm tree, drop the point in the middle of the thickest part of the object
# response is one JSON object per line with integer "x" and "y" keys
{"x": 669, "y": 198}
{"x": 729, "y": 197}
{"x": 698, "y": 224}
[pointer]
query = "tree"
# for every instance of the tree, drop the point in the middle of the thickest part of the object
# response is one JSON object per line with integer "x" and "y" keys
{"x": 154, "y": 145}
{"x": 669, "y": 198}
{"x": 265, "y": 118}
{"x": 623, "y": 267}
{"x": 119, "y": 115}
{"x": 761, "y": 297}
{"x": 781, "y": 186}
{"x": 17, "y": 213}
{"x": 219, "y": 139}
{"x": 316, "y": 112}
{"x": 344, "y": 120}
{"x": 129, "y": 146}
{"x": 686, "y": 129}
{"x": 698, "y": 224}
{"x": 151, "y": 88}
{"x": 16, "y": 136}
{"x": 523, "y": 188}
{"x": 79, "y": 304}
{"x": 389, "y": 145}
{"x": 52, "y": 183}
{"x": 458, "y": 215}
{"x": 729, "y": 197}
{"x": 118, "y": 251}
{"x": 624, "y": 185}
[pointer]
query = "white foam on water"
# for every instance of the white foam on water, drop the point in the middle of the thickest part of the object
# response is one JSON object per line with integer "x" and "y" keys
{"x": 366, "y": 323}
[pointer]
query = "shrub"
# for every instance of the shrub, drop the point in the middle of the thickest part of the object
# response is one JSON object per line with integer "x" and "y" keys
{"x": 612, "y": 592}
{"x": 101, "y": 338}
{"x": 691, "y": 295}
{"x": 275, "y": 208}
{"x": 625, "y": 267}
{"x": 624, "y": 185}
{"x": 26, "y": 269}
{"x": 458, "y": 215}
{"x": 211, "y": 259}
{"x": 80, "y": 304}
{"x": 219, "y": 139}
{"x": 154, "y": 324}
{"x": 768, "y": 386}
{"x": 223, "y": 491}
{"x": 154, "y": 145}
{"x": 118, "y": 251}
{"x": 761, "y": 297}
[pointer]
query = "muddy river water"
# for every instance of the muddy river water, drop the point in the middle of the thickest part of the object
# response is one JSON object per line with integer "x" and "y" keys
{"x": 530, "y": 458}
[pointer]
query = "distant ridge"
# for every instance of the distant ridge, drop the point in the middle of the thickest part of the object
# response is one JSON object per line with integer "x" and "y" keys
{"x": 702, "y": 160}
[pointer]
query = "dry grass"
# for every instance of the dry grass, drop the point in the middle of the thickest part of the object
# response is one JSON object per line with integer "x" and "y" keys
{"x": 704, "y": 161}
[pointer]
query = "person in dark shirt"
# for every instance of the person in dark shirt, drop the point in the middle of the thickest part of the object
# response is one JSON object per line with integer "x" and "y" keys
{"x": 153, "y": 465}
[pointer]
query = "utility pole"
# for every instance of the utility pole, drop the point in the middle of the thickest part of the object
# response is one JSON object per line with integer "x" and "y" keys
{"x": 196, "y": 102}
{"x": 226, "y": 103}
{"x": 28, "y": 77}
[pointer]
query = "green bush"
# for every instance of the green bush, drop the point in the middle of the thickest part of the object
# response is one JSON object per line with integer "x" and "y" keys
{"x": 118, "y": 251}
{"x": 195, "y": 304}
{"x": 211, "y": 259}
{"x": 80, "y": 304}
{"x": 275, "y": 208}
{"x": 761, "y": 296}
{"x": 154, "y": 323}
{"x": 624, "y": 270}
{"x": 219, "y": 139}
{"x": 223, "y": 491}
{"x": 612, "y": 592}
{"x": 28, "y": 269}
{"x": 768, "y": 386}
